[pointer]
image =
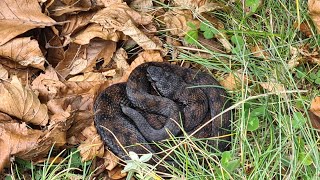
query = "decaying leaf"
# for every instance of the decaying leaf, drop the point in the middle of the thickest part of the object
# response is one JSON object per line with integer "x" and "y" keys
{"x": 315, "y": 106}
{"x": 93, "y": 145}
{"x": 22, "y": 103}
{"x": 274, "y": 87}
{"x": 115, "y": 173}
{"x": 314, "y": 11}
{"x": 19, "y": 16}
{"x": 3, "y": 73}
{"x": 23, "y": 51}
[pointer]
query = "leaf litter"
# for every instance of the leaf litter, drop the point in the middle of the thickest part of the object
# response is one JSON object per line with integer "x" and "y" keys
{"x": 56, "y": 56}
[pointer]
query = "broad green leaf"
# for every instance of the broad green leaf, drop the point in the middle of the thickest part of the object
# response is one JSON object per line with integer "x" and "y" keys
{"x": 253, "y": 123}
{"x": 253, "y": 5}
{"x": 305, "y": 158}
{"x": 258, "y": 111}
{"x": 191, "y": 36}
{"x": 317, "y": 81}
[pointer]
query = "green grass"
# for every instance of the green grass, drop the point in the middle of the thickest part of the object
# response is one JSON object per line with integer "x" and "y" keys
{"x": 271, "y": 135}
{"x": 283, "y": 145}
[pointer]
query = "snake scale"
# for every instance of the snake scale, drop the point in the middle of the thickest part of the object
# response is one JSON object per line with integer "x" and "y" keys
{"x": 157, "y": 98}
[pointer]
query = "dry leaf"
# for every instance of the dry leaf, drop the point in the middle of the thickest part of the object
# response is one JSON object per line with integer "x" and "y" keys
{"x": 90, "y": 76}
{"x": 315, "y": 106}
{"x": 177, "y": 20}
{"x": 23, "y": 51}
{"x": 46, "y": 92}
{"x": 19, "y": 16}
{"x": 75, "y": 22}
{"x": 199, "y": 6}
{"x": 314, "y": 11}
{"x": 122, "y": 18}
{"x": 16, "y": 139}
{"x": 3, "y": 73}
{"x": 259, "y": 52}
{"x": 60, "y": 7}
{"x": 274, "y": 87}
{"x": 95, "y": 30}
{"x": 142, "y": 5}
{"x": 145, "y": 56}
{"x": 110, "y": 160}
{"x": 304, "y": 28}
{"x": 234, "y": 81}
{"x": 115, "y": 173}
{"x": 22, "y": 103}
{"x": 93, "y": 146}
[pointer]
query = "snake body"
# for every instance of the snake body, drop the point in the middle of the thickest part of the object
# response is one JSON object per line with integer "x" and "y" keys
{"x": 157, "y": 98}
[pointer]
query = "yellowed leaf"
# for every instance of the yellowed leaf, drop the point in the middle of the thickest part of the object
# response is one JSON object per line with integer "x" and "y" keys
{"x": 22, "y": 103}
{"x": 314, "y": 11}
{"x": 93, "y": 146}
{"x": 19, "y": 16}
{"x": 23, "y": 51}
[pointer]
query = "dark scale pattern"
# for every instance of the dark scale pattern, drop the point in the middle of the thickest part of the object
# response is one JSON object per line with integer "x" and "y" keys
{"x": 142, "y": 109}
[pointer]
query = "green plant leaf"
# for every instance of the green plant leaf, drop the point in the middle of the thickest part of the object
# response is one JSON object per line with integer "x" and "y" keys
{"x": 313, "y": 76}
{"x": 191, "y": 37}
{"x": 227, "y": 163}
{"x": 191, "y": 25}
{"x": 317, "y": 81}
{"x": 253, "y": 123}
{"x": 208, "y": 34}
{"x": 305, "y": 158}
{"x": 298, "y": 120}
{"x": 253, "y": 5}
{"x": 133, "y": 155}
{"x": 318, "y": 74}
{"x": 258, "y": 111}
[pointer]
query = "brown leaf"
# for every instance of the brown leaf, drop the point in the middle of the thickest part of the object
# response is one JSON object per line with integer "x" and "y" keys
{"x": 145, "y": 56}
{"x": 234, "y": 81}
{"x": 259, "y": 52}
{"x": 115, "y": 173}
{"x": 199, "y": 6}
{"x": 60, "y": 7}
{"x": 141, "y": 5}
{"x": 304, "y": 28}
{"x": 123, "y": 18}
{"x": 93, "y": 145}
{"x": 19, "y": 16}
{"x": 81, "y": 120}
{"x": 315, "y": 106}
{"x": 22, "y": 103}
{"x": 16, "y": 139}
{"x": 176, "y": 20}
{"x": 95, "y": 30}
{"x": 46, "y": 92}
{"x": 314, "y": 11}
{"x": 110, "y": 160}
{"x": 24, "y": 51}
{"x": 3, "y": 73}
{"x": 83, "y": 58}
{"x": 76, "y": 22}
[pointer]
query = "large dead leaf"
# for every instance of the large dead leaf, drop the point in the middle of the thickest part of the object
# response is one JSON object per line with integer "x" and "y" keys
{"x": 80, "y": 58}
{"x": 314, "y": 11}
{"x": 22, "y": 103}
{"x": 23, "y": 51}
{"x": 16, "y": 138}
{"x": 3, "y": 73}
{"x": 123, "y": 18}
{"x": 315, "y": 106}
{"x": 235, "y": 81}
{"x": 95, "y": 30}
{"x": 19, "y": 16}
{"x": 60, "y": 7}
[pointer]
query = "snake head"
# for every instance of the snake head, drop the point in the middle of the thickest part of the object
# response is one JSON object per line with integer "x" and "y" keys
{"x": 165, "y": 82}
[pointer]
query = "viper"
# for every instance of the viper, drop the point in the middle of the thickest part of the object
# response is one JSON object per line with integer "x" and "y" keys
{"x": 158, "y": 101}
